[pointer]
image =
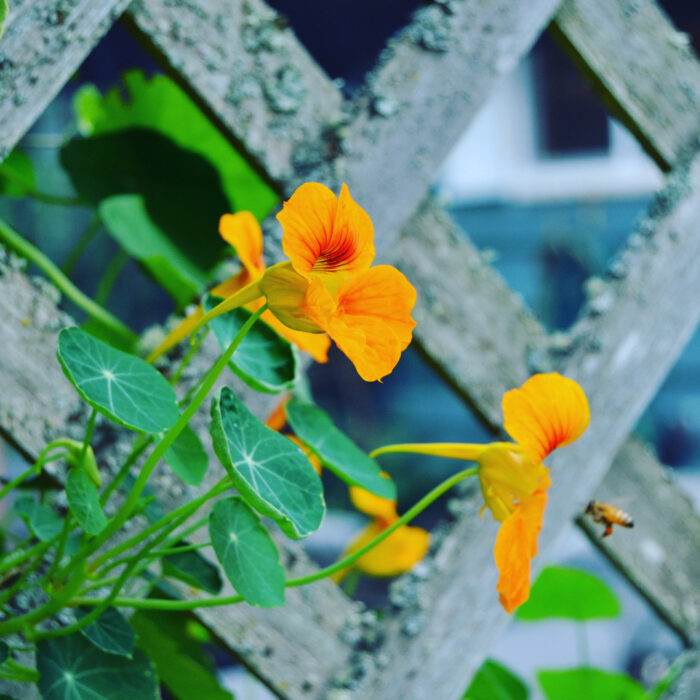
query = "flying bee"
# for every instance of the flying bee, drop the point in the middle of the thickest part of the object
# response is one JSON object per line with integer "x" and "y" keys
{"x": 608, "y": 515}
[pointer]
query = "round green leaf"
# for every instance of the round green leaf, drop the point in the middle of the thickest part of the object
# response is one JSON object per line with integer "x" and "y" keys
{"x": 181, "y": 664}
{"x": 158, "y": 103}
{"x": 187, "y": 457}
{"x": 43, "y": 521}
{"x": 110, "y": 632}
{"x": 193, "y": 569}
{"x": 264, "y": 360}
{"x": 17, "y": 177}
{"x": 123, "y": 387}
{"x": 127, "y": 220}
{"x": 84, "y": 502}
{"x": 586, "y": 683}
{"x": 246, "y": 553}
{"x": 72, "y": 668}
{"x": 568, "y": 593}
{"x": 495, "y": 682}
{"x": 268, "y": 469}
{"x": 336, "y": 450}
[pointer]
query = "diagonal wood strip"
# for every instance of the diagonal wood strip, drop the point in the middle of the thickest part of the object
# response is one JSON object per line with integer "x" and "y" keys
{"x": 620, "y": 358}
{"x": 43, "y": 45}
{"x": 429, "y": 84}
{"x": 650, "y": 80}
{"x": 250, "y": 73}
{"x": 660, "y": 557}
{"x": 37, "y": 404}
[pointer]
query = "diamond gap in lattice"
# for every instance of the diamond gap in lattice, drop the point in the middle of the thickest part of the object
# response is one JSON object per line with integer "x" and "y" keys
{"x": 412, "y": 404}
{"x": 548, "y": 198}
{"x": 137, "y": 179}
{"x": 346, "y": 36}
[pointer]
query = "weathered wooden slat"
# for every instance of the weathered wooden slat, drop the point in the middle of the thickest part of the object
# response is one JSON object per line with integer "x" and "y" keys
{"x": 666, "y": 532}
{"x": 686, "y": 684}
{"x": 470, "y": 326}
{"x": 645, "y": 69}
{"x": 37, "y": 404}
{"x": 620, "y": 359}
{"x": 250, "y": 72}
{"x": 43, "y": 45}
{"x": 429, "y": 84}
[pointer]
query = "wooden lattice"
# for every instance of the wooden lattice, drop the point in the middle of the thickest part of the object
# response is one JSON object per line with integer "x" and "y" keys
{"x": 260, "y": 86}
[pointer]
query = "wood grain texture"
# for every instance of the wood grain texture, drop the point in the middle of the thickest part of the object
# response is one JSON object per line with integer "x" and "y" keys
{"x": 620, "y": 358}
{"x": 686, "y": 685}
{"x": 38, "y": 404}
{"x": 660, "y": 555}
{"x": 645, "y": 69}
{"x": 251, "y": 73}
{"x": 429, "y": 84}
{"x": 470, "y": 325}
{"x": 43, "y": 45}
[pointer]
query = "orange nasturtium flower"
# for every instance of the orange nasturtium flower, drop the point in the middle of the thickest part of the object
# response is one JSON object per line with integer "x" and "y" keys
{"x": 243, "y": 232}
{"x": 547, "y": 412}
{"x": 395, "y": 555}
{"x": 329, "y": 285}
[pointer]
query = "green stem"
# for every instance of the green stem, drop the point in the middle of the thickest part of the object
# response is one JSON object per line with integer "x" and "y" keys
{"x": 136, "y": 451}
{"x": 179, "y": 550}
{"x": 159, "y": 604}
{"x": 186, "y": 509}
{"x": 42, "y": 459}
{"x": 80, "y": 247}
{"x": 29, "y": 674}
{"x": 149, "y": 465}
{"x": 136, "y": 563}
{"x": 17, "y": 556}
{"x": 189, "y": 355}
{"x": 88, "y": 436}
{"x": 110, "y": 276}
{"x": 20, "y": 245}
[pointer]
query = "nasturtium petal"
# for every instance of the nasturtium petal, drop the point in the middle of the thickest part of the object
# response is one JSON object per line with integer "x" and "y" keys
{"x": 546, "y": 412}
{"x": 496, "y": 682}
{"x": 269, "y": 471}
{"x": 264, "y": 360}
{"x": 569, "y": 593}
{"x": 336, "y": 450}
{"x": 84, "y": 502}
{"x": 110, "y": 632}
{"x": 187, "y": 457}
{"x": 72, "y": 668}
{"x": 247, "y": 553}
{"x": 121, "y": 386}
{"x": 193, "y": 569}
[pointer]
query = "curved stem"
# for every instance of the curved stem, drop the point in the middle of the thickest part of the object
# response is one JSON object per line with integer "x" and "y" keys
{"x": 451, "y": 450}
{"x": 83, "y": 242}
{"x": 186, "y": 509}
{"x": 160, "y": 449}
{"x": 20, "y": 245}
{"x": 421, "y": 505}
{"x": 136, "y": 451}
